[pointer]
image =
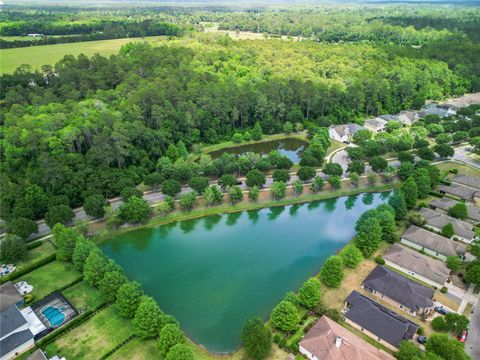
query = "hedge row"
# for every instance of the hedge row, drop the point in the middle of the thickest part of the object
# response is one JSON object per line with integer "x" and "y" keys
{"x": 80, "y": 319}
{"x": 17, "y": 273}
{"x": 34, "y": 245}
{"x": 118, "y": 347}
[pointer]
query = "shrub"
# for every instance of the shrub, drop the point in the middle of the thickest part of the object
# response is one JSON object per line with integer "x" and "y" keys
{"x": 379, "y": 260}
{"x": 135, "y": 210}
{"x": 188, "y": 200}
{"x": 444, "y": 290}
{"x": 438, "y": 324}
{"x": 306, "y": 173}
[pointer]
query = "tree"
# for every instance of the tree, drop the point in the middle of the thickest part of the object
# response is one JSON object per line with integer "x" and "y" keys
{"x": 146, "y": 322}
{"x": 335, "y": 182}
{"x": 129, "y": 192}
{"x": 306, "y": 173}
{"x": 182, "y": 149}
{"x": 397, "y": 202}
{"x": 331, "y": 272}
{"x": 287, "y": 127}
{"x": 257, "y": 132}
{"x": 285, "y": 316}
{"x": 371, "y": 178}
{"x": 65, "y": 240}
{"x": 255, "y": 178}
{"x": 297, "y": 187}
{"x": 309, "y": 294}
{"x": 357, "y": 166}
{"x": 281, "y": 175}
{"x": 426, "y": 153}
{"x": 388, "y": 225}
{"x": 378, "y": 164}
{"x": 227, "y": 180}
{"x": 354, "y": 179}
{"x": 404, "y": 157}
{"x": 317, "y": 184}
{"x": 180, "y": 352}
{"x": 332, "y": 169}
{"x": 83, "y": 247}
{"x": 257, "y": 339}
{"x": 247, "y": 136}
{"x": 172, "y": 153}
{"x": 410, "y": 192}
{"x": 235, "y": 194}
{"x": 94, "y": 205}
{"x": 443, "y": 138}
{"x": 458, "y": 211}
{"x": 187, "y": 201}
{"x": 351, "y": 256}
{"x": 448, "y": 231}
{"x": 422, "y": 180}
{"x": 405, "y": 170}
{"x": 237, "y": 138}
{"x": 198, "y": 183}
{"x": 369, "y": 236}
{"x": 171, "y": 187}
{"x": 408, "y": 351}
{"x": 278, "y": 190}
{"x": 446, "y": 347}
{"x": 253, "y": 193}
{"x": 128, "y": 296}
{"x": 362, "y": 136}
{"x": 22, "y": 227}
{"x": 135, "y": 210}
{"x": 472, "y": 275}
{"x": 110, "y": 284}
{"x": 58, "y": 214}
{"x": 96, "y": 266}
{"x": 456, "y": 323}
{"x": 213, "y": 195}
{"x": 13, "y": 248}
{"x": 444, "y": 150}
{"x": 170, "y": 335}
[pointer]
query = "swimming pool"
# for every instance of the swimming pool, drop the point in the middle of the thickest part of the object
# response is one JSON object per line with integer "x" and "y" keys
{"x": 54, "y": 315}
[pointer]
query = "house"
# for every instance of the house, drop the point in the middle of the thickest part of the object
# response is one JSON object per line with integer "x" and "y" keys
{"x": 444, "y": 204}
{"x": 388, "y": 117}
{"x": 327, "y": 340}
{"x": 343, "y": 132}
{"x": 461, "y": 192}
{"x": 398, "y": 290}
{"x": 35, "y": 35}
{"x": 375, "y": 124}
{"x": 466, "y": 180}
{"x": 407, "y": 117}
{"x": 422, "y": 267}
{"x": 436, "y": 221}
{"x": 433, "y": 244}
{"x": 435, "y": 109}
{"x": 18, "y": 327}
{"x": 377, "y": 321}
{"x": 40, "y": 355}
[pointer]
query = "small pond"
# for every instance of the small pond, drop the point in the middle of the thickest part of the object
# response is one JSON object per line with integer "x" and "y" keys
{"x": 215, "y": 272}
{"x": 292, "y": 148}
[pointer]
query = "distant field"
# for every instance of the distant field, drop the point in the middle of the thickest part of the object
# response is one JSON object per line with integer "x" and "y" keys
{"x": 36, "y": 56}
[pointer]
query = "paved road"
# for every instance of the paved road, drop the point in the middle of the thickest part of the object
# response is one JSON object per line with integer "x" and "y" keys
{"x": 472, "y": 345}
{"x": 461, "y": 154}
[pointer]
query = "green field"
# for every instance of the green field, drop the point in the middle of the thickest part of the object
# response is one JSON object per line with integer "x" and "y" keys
{"x": 50, "y": 277}
{"x": 36, "y": 56}
{"x": 83, "y": 296}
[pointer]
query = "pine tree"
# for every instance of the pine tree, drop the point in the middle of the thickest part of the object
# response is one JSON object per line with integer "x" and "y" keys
{"x": 128, "y": 299}
{"x": 146, "y": 322}
{"x": 309, "y": 294}
{"x": 331, "y": 273}
{"x": 285, "y": 316}
{"x": 369, "y": 237}
{"x": 410, "y": 192}
{"x": 397, "y": 202}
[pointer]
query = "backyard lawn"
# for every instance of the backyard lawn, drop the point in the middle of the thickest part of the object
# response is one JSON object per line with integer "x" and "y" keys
{"x": 93, "y": 338}
{"x": 83, "y": 296}
{"x": 50, "y": 277}
{"x": 36, "y": 254}
{"x": 462, "y": 169}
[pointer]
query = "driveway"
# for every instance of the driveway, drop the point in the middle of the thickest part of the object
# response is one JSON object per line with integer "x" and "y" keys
{"x": 461, "y": 154}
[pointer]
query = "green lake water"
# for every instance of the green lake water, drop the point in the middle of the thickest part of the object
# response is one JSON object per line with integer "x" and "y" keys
{"x": 215, "y": 272}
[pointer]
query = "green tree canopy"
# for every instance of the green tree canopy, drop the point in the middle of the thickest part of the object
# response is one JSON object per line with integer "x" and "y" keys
{"x": 128, "y": 296}
{"x": 309, "y": 294}
{"x": 285, "y": 316}
{"x": 146, "y": 322}
{"x": 331, "y": 272}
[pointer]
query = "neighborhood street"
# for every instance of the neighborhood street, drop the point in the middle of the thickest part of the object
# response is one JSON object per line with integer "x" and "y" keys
{"x": 472, "y": 345}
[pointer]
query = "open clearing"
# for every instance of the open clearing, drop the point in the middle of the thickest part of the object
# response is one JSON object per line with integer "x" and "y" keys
{"x": 36, "y": 56}
{"x": 83, "y": 296}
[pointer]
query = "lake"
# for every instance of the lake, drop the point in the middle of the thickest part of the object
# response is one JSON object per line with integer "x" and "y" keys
{"x": 292, "y": 148}
{"x": 215, "y": 272}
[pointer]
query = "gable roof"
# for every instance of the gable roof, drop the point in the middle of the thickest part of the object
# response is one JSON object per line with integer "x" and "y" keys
{"x": 11, "y": 319}
{"x": 463, "y": 192}
{"x": 446, "y": 203}
{"x": 407, "y": 117}
{"x": 376, "y": 123}
{"x": 439, "y": 220}
{"x": 434, "y": 242}
{"x": 466, "y": 180}
{"x": 434, "y": 270}
{"x": 321, "y": 342}
{"x": 346, "y": 129}
{"x": 397, "y": 287}
{"x": 15, "y": 340}
{"x": 9, "y": 295}
{"x": 379, "y": 320}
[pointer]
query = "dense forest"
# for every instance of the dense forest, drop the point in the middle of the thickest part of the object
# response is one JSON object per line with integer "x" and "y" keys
{"x": 97, "y": 125}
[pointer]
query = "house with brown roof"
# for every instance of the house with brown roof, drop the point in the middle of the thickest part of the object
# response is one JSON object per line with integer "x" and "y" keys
{"x": 436, "y": 221}
{"x": 327, "y": 340}
{"x": 433, "y": 244}
{"x": 419, "y": 266}
{"x": 444, "y": 204}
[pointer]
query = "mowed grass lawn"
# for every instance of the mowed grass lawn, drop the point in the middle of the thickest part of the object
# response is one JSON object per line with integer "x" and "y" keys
{"x": 83, "y": 296}
{"x": 462, "y": 169}
{"x": 50, "y": 277}
{"x": 93, "y": 338}
{"x": 36, "y": 254}
{"x": 36, "y": 56}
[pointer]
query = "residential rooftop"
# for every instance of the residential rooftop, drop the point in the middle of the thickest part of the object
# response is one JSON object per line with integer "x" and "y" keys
{"x": 463, "y": 192}
{"x": 434, "y": 242}
{"x": 467, "y": 180}
{"x": 439, "y": 220}
{"x": 9, "y": 295}
{"x": 346, "y": 129}
{"x": 446, "y": 203}
{"x": 423, "y": 265}
{"x": 379, "y": 320}
{"x": 11, "y": 319}
{"x": 327, "y": 340}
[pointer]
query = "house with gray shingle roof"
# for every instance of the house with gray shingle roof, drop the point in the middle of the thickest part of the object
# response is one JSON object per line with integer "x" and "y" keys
{"x": 444, "y": 204}
{"x": 419, "y": 266}
{"x": 436, "y": 221}
{"x": 466, "y": 180}
{"x": 343, "y": 132}
{"x": 375, "y": 124}
{"x": 433, "y": 244}
{"x": 377, "y": 321}
{"x": 15, "y": 335}
{"x": 460, "y": 192}
{"x": 9, "y": 295}
{"x": 399, "y": 291}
